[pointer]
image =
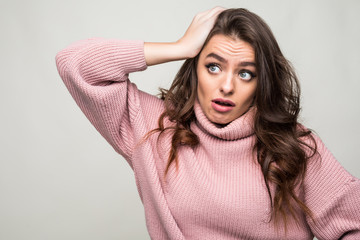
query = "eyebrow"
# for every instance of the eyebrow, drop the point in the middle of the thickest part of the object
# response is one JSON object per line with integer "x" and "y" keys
{"x": 221, "y": 59}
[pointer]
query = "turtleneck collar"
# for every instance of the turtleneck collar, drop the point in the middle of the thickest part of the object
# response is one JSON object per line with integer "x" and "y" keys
{"x": 239, "y": 128}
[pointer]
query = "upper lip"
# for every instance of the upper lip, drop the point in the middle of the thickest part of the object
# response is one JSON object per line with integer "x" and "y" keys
{"x": 221, "y": 100}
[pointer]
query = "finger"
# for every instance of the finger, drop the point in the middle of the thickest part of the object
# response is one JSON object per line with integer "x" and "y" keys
{"x": 215, "y": 11}
{"x": 211, "y": 13}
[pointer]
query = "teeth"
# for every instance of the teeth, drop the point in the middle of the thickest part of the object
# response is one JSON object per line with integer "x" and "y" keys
{"x": 223, "y": 103}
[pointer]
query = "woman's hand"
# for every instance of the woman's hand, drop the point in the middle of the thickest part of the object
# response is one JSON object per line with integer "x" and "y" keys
{"x": 186, "y": 47}
{"x": 199, "y": 29}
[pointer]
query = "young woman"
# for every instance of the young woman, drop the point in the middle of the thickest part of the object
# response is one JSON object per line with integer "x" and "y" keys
{"x": 221, "y": 154}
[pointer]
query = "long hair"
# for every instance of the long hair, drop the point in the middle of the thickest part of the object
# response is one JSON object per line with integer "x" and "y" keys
{"x": 281, "y": 145}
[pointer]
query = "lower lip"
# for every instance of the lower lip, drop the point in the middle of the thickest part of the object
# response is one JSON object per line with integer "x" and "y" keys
{"x": 221, "y": 108}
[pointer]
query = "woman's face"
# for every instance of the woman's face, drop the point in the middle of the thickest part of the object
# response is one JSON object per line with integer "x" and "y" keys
{"x": 227, "y": 81}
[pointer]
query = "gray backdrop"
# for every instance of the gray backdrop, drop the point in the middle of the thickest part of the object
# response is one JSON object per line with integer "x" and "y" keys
{"x": 59, "y": 179}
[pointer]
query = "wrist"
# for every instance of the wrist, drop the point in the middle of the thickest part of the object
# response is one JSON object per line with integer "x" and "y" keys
{"x": 183, "y": 49}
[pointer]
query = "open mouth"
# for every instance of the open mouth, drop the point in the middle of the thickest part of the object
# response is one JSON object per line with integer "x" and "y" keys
{"x": 223, "y": 102}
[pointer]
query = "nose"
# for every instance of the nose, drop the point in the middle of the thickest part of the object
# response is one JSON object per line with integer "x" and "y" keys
{"x": 227, "y": 84}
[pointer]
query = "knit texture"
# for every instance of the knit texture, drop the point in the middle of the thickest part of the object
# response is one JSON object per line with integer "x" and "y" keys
{"x": 218, "y": 191}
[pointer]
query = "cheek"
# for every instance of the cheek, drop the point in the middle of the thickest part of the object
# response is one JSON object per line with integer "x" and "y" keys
{"x": 206, "y": 88}
{"x": 251, "y": 92}
{"x": 201, "y": 93}
{"x": 247, "y": 95}
{"x": 202, "y": 86}
{"x": 254, "y": 88}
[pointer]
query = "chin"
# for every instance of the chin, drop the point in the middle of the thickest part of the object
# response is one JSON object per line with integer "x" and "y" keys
{"x": 221, "y": 123}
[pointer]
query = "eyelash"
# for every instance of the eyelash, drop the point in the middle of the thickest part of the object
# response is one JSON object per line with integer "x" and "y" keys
{"x": 208, "y": 66}
{"x": 217, "y": 65}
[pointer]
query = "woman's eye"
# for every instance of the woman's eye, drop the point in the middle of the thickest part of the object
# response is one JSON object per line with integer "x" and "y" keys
{"x": 213, "y": 68}
{"x": 245, "y": 76}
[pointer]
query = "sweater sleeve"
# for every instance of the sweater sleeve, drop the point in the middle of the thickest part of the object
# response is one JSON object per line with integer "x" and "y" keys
{"x": 333, "y": 196}
{"x": 95, "y": 71}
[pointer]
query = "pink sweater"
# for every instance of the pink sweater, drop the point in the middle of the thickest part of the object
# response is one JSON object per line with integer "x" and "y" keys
{"x": 219, "y": 191}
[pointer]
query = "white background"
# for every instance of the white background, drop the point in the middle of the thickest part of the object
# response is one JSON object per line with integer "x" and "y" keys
{"x": 59, "y": 179}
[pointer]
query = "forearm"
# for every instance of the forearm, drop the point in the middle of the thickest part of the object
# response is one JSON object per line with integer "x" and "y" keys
{"x": 157, "y": 53}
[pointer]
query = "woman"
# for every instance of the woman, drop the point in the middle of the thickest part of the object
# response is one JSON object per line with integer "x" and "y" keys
{"x": 221, "y": 154}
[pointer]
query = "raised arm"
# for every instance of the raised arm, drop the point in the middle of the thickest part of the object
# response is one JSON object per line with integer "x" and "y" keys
{"x": 95, "y": 71}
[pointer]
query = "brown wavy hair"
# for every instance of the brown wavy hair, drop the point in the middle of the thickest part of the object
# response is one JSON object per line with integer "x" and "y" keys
{"x": 280, "y": 141}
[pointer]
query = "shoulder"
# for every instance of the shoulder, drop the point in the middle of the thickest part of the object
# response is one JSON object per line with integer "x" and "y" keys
{"x": 322, "y": 166}
{"x": 324, "y": 176}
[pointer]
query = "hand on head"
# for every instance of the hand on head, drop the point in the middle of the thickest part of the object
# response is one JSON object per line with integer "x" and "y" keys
{"x": 187, "y": 46}
{"x": 197, "y": 32}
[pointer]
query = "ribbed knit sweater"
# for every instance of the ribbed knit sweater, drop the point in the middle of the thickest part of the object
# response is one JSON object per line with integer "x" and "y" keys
{"x": 218, "y": 191}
